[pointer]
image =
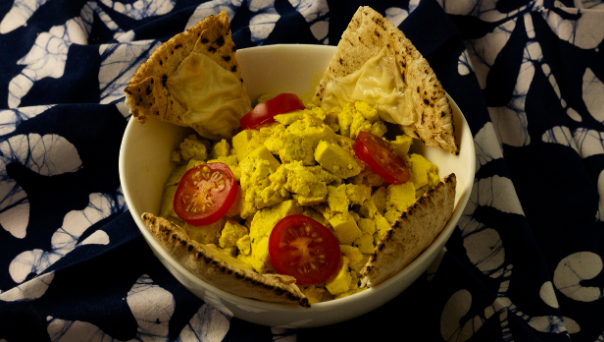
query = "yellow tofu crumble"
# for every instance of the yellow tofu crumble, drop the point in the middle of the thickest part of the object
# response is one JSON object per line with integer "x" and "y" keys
{"x": 304, "y": 163}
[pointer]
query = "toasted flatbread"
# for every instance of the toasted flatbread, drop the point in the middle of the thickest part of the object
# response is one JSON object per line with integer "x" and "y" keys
{"x": 367, "y": 34}
{"x": 147, "y": 94}
{"x": 413, "y": 232}
{"x": 198, "y": 259}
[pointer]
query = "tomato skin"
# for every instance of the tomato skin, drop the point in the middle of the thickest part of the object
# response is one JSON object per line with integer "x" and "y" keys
{"x": 265, "y": 112}
{"x": 199, "y": 180}
{"x": 380, "y": 157}
{"x": 304, "y": 249}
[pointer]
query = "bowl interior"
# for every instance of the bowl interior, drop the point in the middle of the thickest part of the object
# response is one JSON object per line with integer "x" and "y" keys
{"x": 145, "y": 165}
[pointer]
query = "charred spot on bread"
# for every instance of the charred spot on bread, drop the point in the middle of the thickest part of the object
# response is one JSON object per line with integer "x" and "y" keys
{"x": 164, "y": 79}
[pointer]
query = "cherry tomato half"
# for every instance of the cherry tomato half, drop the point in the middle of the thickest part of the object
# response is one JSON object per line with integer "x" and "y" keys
{"x": 205, "y": 194}
{"x": 380, "y": 157}
{"x": 265, "y": 112}
{"x": 304, "y": 249}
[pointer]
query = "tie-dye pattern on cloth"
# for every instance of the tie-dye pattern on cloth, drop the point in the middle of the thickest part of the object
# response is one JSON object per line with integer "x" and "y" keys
{"x": 524, "y": 264}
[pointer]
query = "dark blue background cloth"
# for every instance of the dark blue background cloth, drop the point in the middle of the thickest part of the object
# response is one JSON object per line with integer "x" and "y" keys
{"x": 524, "y": 263}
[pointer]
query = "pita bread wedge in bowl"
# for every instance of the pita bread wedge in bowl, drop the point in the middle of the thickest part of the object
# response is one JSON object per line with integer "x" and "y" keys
{"x": 145, "y": 165}
{"x": 414, "y": 231}
{"x": 221, "y": 269}
{"x": 407, "y": 91}
{"x": 193, "y": 80}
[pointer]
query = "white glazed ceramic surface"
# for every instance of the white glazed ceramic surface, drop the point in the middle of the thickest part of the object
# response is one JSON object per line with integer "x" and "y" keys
{"x": 144, "y": 166}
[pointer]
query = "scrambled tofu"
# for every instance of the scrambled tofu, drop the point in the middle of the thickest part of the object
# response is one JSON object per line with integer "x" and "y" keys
{"x": 308, "y": 183}
{"x": 220, "y": 149}
{"x": 337, "y": 199}
{"x": 381, "y": 226}
{"x": 304, "y": 163}
{"x": 401, "y": 145}
{"x": 366, "y": 225}
{"x": 422, "y": 171}
{"x": 358, "y": 117}
{"x": 369, "y": 178}
{"x": 345, "y": 227}
{"x": 259, "y": 192}
{"x": 313, "y": 293}
{"x": 231, "y": 234}
{"x": 399, "y": 197}
{"x": 341, "y": 282}
{"x": 379, "y": 198}
{"x": 424, "y": 174}
{"x": 352, "y": 253}
{"x": 301, "y": 138}
{"x": 335, "y": 159}
{"x": 358, "y": 194}
{"x": 205, "y": 234}
{"x": 249, "y": 140}
{"x": 193, "y": 148}
{"x": 244, "y": 245}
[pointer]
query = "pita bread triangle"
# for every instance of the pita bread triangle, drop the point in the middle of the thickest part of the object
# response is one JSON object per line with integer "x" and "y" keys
{"x": 413, "y": 232}
{"x": 202, "y": 262}
{"x": 366, "y": 35}
{"x": 148, "y": 95}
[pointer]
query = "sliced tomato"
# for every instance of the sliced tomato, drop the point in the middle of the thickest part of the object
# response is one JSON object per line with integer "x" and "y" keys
{"x": 205, "y": 194}
{"x": 380, "y": 157}
{"x": 265, "y": 112}
{"x": 304, "y": 249}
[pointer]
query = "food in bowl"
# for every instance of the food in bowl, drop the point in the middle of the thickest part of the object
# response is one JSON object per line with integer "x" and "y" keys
{"x": 316, "y": 143}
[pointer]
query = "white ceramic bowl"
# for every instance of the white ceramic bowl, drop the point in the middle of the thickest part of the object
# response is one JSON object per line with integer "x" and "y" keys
{"x": 144, "y": 166}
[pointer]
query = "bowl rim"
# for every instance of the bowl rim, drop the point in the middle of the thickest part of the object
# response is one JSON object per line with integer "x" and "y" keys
{"x": 322, "y": 306}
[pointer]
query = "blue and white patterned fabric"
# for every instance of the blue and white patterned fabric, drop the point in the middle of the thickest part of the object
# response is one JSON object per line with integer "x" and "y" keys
{"x": 524, "y": 264}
